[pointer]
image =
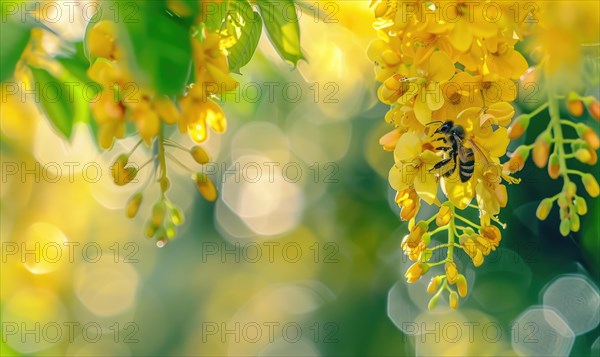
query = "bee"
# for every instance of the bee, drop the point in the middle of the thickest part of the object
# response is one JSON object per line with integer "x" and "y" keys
{"x": 457, "y": 153}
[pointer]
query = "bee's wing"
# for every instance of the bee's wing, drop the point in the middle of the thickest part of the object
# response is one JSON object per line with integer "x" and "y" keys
{"x": 463, "y": 155}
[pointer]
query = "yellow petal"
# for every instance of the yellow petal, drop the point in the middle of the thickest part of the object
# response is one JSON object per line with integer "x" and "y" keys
{"x": 441, "y": 67}
{"x": 459, "y": 193}
{"x": 422, "y": 111}
{"x": 215, "y": 118}
{"x": 426, "y": 186}
{"x": 408, "y": 148}
{"x": 433, "y": 96}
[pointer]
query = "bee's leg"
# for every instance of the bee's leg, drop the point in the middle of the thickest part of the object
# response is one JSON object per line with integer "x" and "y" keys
{"x": 442, "y": 139}
{"x": 440, "y": 164}
{"x": 453, "y": 168}
{"x": 444, "y": 148}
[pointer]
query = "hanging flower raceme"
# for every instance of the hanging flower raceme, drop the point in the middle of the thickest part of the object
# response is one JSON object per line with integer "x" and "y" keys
{"x": 123, "y": 99}
{"x": 449, "y": 85}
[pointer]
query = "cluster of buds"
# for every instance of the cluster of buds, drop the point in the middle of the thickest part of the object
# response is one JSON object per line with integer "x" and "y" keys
{"x": 417, "y": 247}
{"x": 552, "y": 149}
{"x": 165, "y": 216}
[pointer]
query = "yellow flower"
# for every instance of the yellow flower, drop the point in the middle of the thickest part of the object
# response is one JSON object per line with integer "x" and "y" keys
{"x": 459, "y": 93}
{"x": 468, "y": 23}
{"x": 197, "y": 112}
{"x": 211, "y": 69}
{"x": 386, "y": 60}
{"x": 502, "y": 59}
{"x": 413, "y": 243}
{"x": 409, "y": 203}
{"x": 414, "y": 159}
{"x": 429, "y": 95}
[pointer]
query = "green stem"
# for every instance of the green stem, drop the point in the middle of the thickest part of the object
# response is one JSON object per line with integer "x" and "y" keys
{"x": 538, "y": 110}
{"x": 555, "y": 123}
{"x": 161, "y": 157}
{"x": 467, "y": 221}
{"x": 451, "y": 230}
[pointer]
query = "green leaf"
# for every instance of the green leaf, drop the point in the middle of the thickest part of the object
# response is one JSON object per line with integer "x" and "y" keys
{"x": 283, "y": 29}
{"x": 160, "y": 46}
{"x": 215, "y": 15}
{"x": 250, "y": 27}
{"x": 14, "y": 36}
{"x": 54, "y": 97}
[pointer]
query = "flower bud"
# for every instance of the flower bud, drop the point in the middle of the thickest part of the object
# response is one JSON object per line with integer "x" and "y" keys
{"x": 451, "y": 272}
{"x": 574, "y": 104}
{"x": 591, "y": 185}
{"x": 575, "y": 223}
{"x": 583, "y": 155}
{"x": 123, "y": 177}
{"x": 565, "y": 227}
{"x": 562, "y": 201}
{"x": 571, "y": 189}
{"x": 170, "y": 230}
{"x": 581, "y": 206}
{"x": 543, "y": 209}
{"x": 199, "y": 155}
{"x": 150, "y": 230}
{"x": 554, "y": 166}
{"x": 517, "y": 160}
{"x": 205, "y": 187}
{"x": 177, "y": 216}
{"x": 433, "y": 302}
{"x": 415, "y": 271}
{"x": 453, "y": 300}
{"x": 461, "y": 285}
{"x": 133, "y": 205}
{"x": 158, "y": 214}
{"x": 389, "y": 140}
{"x": 443, "y": 216}
{"x": 434, "y": 284}
{"x": 518, "y": 127}
{"x": 541, "y": 149}
{"x": 589, "y": 135}
{"x": 164, "y": 184}
{"x": 594, "y": 109}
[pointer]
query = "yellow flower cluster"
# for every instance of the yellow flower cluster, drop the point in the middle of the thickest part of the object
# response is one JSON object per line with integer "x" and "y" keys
{"x": 447, "y": 71}
{"x": 122, "y": 98}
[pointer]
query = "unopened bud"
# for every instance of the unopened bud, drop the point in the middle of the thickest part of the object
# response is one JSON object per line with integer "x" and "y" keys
{"x": 451, "y": 272}
{"x": 541, "y": 150}
{"x": 150, "y": 230}
{"x": 518, "y": 127}
{"x": 444, "y": 215}
{"x": 199, "y": 155}
{"x": 433, "y": 302}
{"x": 565, "y": 227}
{"x": 591, "y": 185}
{"x": 581, "y": 205}
{"x": 453, "y": 300}
{"x": 574, "y": 104}
{"x": 589, "y": 135}
{"x": 543, "y": 209}
{"x": 571, "y": 189}
{"x": 517, "y": 160}
{"x": 434, "y": 284}
{"x": 575, "y": 224}
{"x": 177, "y": 216}
{"x": 554, "y": 166}
{"x": 164, "y": 184}
{"x": 583, "y": 155}
{"x": 133, "y": 205}
{"x": 205, "y": 187}
{"x": 158, "y": 214}
{"x": 461, "y": 285}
